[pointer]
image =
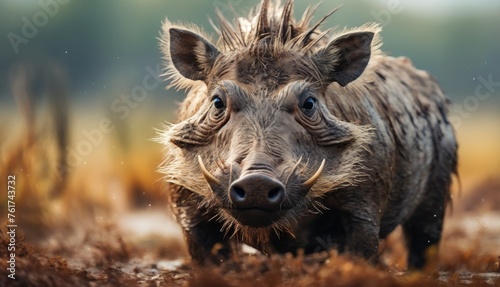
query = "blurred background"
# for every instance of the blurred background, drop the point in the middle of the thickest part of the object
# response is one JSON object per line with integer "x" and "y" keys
{"x": 80, "y": 98}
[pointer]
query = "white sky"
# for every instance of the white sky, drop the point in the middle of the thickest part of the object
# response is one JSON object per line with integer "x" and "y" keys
{"x": 446, "y": 6}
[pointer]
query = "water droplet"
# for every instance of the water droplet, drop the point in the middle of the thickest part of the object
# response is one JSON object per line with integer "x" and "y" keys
{"x": 435, "y": 215}
{"x": 65, "y": 52}
{"x": 150, "y": 204}
{"x": 473, "y": 79}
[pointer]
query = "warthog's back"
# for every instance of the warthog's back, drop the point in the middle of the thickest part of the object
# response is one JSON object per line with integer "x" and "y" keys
{"x": 414, "y": 145}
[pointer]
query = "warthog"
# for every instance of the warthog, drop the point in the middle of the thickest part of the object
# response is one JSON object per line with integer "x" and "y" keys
{"x": 291, "y": 138}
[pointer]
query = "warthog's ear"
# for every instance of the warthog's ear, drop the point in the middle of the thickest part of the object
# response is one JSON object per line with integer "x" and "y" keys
{"x": 345, "y": 58}
{"x": 190, "y": 54}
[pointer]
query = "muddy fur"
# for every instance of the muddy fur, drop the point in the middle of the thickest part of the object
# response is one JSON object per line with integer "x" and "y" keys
{"x": 380, "y": 125}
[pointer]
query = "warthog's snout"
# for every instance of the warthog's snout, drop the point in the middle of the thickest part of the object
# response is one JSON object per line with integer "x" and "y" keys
{"x": 257, "y": 191}
{"x": 255, "y": 197}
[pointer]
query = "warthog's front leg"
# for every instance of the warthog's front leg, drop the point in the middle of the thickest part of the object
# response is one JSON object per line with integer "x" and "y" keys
{"x": 206, "y": 243}
{"x": 362, "y": 236}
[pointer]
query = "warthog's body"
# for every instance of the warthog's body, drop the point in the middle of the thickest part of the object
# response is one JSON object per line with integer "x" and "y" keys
{"x": 292, "y": 139}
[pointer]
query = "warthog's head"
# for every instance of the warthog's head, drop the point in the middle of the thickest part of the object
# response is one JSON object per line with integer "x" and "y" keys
{"x": 257, "y": 138}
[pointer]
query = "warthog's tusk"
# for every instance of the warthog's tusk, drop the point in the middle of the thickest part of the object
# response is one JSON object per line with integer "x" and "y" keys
{"x": 310, "y": 182}
{"x": 293, "y": 170}
{"x": 208, "y": 176}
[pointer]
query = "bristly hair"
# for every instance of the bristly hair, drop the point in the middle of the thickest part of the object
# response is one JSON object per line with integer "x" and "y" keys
{"x": 269, "y": 27}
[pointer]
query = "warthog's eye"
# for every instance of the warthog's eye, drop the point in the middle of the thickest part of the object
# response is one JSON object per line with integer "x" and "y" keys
{"x": 309, "y": 103}
{"x": 217, "y": 102}
{"x": 308, "y": 106}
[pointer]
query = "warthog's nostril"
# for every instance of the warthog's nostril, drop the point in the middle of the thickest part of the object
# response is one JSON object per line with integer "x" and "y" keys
{"x": 274, "y": 194}
{"x": 239, "y": 193}
{"x": 257, "y": 191}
